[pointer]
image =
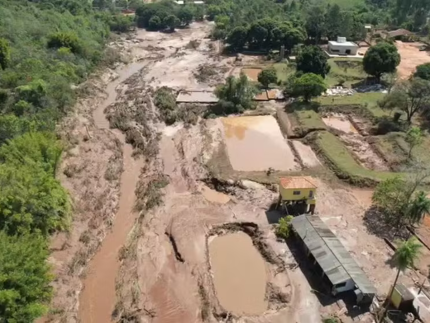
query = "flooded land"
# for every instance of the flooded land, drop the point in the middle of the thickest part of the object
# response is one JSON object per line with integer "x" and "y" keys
{"x": 239, "y": 274}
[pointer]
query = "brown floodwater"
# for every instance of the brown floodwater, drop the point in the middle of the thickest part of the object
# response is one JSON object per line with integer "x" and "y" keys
{"x": 239, "y": 274}
{"x": 97, "y": 299}
{"x": 255, "y": 143}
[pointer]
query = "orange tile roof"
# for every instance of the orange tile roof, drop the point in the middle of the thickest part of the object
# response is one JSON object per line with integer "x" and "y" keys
{"x": 298, "y": 182}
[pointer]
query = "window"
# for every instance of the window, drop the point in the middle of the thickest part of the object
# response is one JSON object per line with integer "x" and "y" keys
{"x": 340, "y": 285}
{"x": 296, "y": 193}
{"x": 311, "y": 194}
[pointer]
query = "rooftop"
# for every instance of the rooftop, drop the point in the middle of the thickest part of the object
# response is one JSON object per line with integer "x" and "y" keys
{"x": 298, "y": 182}
{"x": 331, "y": 255}
{"x": 343, "y": 43}
{"x": 196, "y": 97}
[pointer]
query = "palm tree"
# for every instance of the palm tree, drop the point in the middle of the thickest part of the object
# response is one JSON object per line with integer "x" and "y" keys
{"x": 405, "y": 256}
{"x": 419, "y": 207}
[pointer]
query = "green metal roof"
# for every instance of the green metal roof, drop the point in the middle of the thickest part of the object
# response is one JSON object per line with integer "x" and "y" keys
{"x": 331, "y": 255}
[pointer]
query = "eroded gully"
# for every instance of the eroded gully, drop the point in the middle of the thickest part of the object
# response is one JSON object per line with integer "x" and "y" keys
{"x": 97, "y": 299}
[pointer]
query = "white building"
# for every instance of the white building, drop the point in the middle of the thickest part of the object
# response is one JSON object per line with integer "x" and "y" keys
{"x": 342, "y": 47}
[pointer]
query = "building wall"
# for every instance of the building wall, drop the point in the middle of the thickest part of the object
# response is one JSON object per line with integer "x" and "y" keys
{"x": 348, "y": 285}
{"x": 341, "y": 49}
{"x": 304, "y": 194}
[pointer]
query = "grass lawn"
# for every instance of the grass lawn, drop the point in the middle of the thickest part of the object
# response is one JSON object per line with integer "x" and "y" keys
{"x": 284, "y": 70}
{"x": 349, "y": 69}
{"x": 367, "y": 100}
{"x": 309, "y": 120}
{"x": 393, "y": 147}
{"x": 344, "y": 165}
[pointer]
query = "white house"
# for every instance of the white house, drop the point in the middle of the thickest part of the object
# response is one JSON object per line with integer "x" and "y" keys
{"x": 342, "y": 47}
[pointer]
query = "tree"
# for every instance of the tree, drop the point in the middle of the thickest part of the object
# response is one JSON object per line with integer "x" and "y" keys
{"x": 414, "y": 137}
{"x": 333, "y": 22}
{"x": 4, "y": 53}
{"x": 419, "y": 207}
{"x": 25, "y": 277}
{"x": 284, "y": 227}
{"x": 267, "y": 76}
{"x": 315, "y": 24}
{"x": 172, "y": 22}
{"x": 411, "y": 96}
{"x": 235, "y": 95}
{"x": 155, "y": 23}
{"x": 311, "y": 59}
{"x": 237, "y": 38}
{"x": 257, "y": 35}
{"x": 306, "y": 86}
{"x": 423, "y": 71}
{"x": 404, "y": 257}
{"x": 381, "y": 58}
{"x": 185, "y": 15}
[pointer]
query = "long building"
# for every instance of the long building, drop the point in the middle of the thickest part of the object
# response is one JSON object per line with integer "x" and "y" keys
{"x": 331, "y": 259}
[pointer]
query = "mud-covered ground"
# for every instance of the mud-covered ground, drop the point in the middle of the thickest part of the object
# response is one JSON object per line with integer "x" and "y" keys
{"x": 149, "y": 189}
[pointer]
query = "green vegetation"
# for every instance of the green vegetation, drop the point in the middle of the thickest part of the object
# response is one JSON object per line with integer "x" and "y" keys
{"x": 235, "y": 95}
{"x": 283, "y": 229}
{"x": 284, "y": 71}
{"x": 345, "y": 72}
{"x": 414, "y": 137}
{"x": 381, "y": 58}
{"x": 306, "y": 86}
{"x": 367, "y": 100}
{"x": 45, "y": 47}
{"x": 267, "y": 76}
{"x": 311, "y": 59}
{"x": 342, "y": 162}
{"x": 423, "y": 71}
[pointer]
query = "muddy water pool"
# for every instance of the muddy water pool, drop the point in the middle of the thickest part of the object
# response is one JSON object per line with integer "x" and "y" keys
{"x": 239, "y": 274}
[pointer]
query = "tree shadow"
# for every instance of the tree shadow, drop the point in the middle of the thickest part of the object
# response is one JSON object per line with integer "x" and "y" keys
{"x": 376, "y": 224}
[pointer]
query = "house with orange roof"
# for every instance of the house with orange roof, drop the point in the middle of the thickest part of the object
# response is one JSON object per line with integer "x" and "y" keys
{"x": 298, "y": 191}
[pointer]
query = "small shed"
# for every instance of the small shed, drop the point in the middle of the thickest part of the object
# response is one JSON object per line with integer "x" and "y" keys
{"x": 342, "y": 47}
{"x": 402, "y": 298}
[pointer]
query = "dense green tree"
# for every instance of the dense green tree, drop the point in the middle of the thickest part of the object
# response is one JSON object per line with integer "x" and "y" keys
{"x": 213, "y": 11}
{"x": 381, "y": 58}
{"x": 267, "y": 77}
{"x": 315, "y": 23}
{"x": 172, "y": 22}
{"x": 334, "y": 22}
{"x": 257, "y": 35}
{"x": 419, "y": 207}
{"x": 24, "y": 277}
{"x": 306, "y": 86}
{"x": 423, "y": 71}
{"x": 185, "y": 15}
{"x": 155, "y": 23}
{"x": 33, "y": 92}
{"x": 311, "y": 59}
{"x": 237, "y": 38}
{"x": 4, "y": 53}
{"x": 235, "y": 95}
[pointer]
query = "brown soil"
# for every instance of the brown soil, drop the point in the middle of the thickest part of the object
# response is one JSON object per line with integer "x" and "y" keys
{"x": 161, "y": 247}
{"x": 252, "y": 73}
{"x": 411, "y": 57}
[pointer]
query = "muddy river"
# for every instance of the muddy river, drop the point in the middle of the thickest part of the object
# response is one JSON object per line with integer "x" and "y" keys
{"x": 239, "y": 274}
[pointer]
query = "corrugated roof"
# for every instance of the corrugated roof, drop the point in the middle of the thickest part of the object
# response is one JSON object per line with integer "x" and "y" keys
{"x": 298, "y": 182}
{"x": 329, "y": 252}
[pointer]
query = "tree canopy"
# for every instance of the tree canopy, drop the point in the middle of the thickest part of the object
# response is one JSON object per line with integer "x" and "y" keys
{"x": 267, "y": 76}
{"x": 381, "y": 58}
{"x": 311, "y": 59}
{"x": 306, "y": 86}
{"x": 423, "y": 71}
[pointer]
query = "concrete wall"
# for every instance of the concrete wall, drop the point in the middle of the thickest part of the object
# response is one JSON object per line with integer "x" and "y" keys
{"x": 342, "y": 49}
{"x": 288, "y": 194}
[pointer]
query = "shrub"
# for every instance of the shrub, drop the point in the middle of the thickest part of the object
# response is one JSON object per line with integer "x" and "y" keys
{"x": 284, "y": 227}
{"x": 65, "y": 39}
